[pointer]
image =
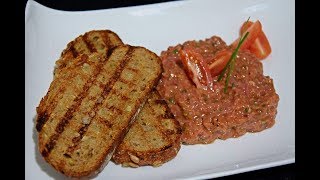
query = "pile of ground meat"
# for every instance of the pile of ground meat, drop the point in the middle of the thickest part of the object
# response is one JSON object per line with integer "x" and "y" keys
{"x": 250, "y": 104}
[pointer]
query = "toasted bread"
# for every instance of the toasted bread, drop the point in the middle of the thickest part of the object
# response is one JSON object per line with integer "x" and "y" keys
{"x": 91, "y": 105}
{"x": 100, "y": 41}
{"x": 153, "y": 139}
{"x": 168, "y": 147}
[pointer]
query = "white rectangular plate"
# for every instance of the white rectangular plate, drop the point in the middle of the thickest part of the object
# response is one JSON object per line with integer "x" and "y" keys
{"x": 156, "y": 27}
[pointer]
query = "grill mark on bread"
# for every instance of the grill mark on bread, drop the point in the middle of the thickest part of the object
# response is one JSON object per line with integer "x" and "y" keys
{"x": 88, "y": 43}
{"x": 59, "y": 94}
{"x": 73, "y": 51}
{"x": 126, "y": 82}
{"x": 132, "y": 69}
{"x": 69, "y": 114}
{"x": 123, "y": 97}
{"x": 106, "y": 91}
{"x": 106, "y": 122}
{"x": 166, "y": 147}
{"x": 44, "y": 116}
{"x": 106, "y": 40}
{"x": 83, "y": 47}
{"x": 80, "y": 61}
{"x": 168, "y": 114}
{"x": 158, "y": 125}
{"x": 41, "y": 120}
{"x": 49, "y": 146}
{"x": 161, "y": 101}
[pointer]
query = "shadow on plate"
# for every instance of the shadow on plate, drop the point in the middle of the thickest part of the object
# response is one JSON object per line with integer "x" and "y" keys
{"x": 40, "y": 160}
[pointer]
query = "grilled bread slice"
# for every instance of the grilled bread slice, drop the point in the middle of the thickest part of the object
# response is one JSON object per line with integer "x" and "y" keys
{"x": 100, "y": 41}
{"x": 89, "y": 108}
{"x": 155, "y": 114}
{"x": 154, "y": 137}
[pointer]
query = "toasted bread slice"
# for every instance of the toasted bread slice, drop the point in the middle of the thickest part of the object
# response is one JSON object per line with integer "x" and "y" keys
{"x": 167, "y": 148}
{"x": 153, "y": 139}
{"x": 89, "y": 108}
{"x": 100, "y": 41}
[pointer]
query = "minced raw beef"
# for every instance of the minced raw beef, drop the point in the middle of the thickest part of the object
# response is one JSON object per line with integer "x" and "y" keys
{"x": 250, "y": 104}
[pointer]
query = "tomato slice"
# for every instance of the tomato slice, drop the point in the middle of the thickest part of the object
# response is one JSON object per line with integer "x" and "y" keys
{"x": 221, "y": 59}
{"x": 196, "y": 68}
{"x": 261, "y": 46}
{"x": 254, "y": 31}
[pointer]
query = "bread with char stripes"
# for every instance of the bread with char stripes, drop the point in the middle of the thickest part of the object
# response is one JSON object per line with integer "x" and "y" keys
{"x": 154, "y": 116}
{"x": 89, "y": 107}
{"x": 100, "y": 41}
{"x": 154, "y": 137}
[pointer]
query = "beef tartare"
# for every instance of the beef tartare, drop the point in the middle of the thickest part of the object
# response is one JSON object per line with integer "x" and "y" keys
{"x": 250, "y": 105}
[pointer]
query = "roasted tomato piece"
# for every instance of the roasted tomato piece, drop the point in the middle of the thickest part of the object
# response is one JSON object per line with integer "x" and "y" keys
{"x": 196, "y": 68}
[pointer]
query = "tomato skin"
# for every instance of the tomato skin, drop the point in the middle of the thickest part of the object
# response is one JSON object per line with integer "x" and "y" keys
{"x": 254, "y": 31}
{"x": 261, "y": 46}
{"x": 196, "y": 69}
{"x": 221, "y": 59}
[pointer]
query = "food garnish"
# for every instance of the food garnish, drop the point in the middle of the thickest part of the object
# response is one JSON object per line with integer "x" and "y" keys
{"x": 196, "y": 68}
{"x": 252, "y": 38}
{"x": 231, "y": 62}
{"x": 254, "y": 31}
{"x": 261, "y": 46}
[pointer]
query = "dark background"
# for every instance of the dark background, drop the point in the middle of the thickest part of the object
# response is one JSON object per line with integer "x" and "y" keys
{"x": 285, "y": 172}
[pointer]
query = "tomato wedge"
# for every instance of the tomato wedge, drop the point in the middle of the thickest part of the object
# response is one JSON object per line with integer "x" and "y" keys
{"x": 245, "y": 26}
{"x": 261, "y": 46}
{"x": 196, "y": 68}
{"x": 254, "y": 31}
{"x": 221, "y": 59}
